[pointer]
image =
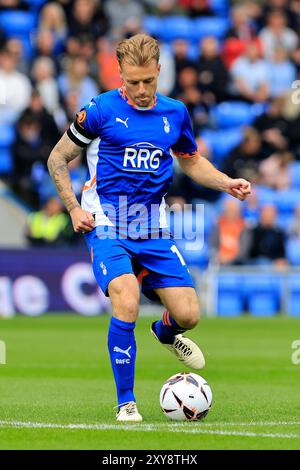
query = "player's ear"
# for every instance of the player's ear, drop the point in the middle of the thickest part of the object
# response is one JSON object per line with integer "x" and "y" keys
{"x": 158, "y": 68}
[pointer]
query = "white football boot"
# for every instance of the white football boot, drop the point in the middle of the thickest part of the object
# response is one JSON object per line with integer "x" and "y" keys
{"x": 129, "y": 412}
{"x": 185, "y": 350}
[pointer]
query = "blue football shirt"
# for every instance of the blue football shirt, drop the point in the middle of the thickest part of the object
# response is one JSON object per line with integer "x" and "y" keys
{"x": 129, "y": 157}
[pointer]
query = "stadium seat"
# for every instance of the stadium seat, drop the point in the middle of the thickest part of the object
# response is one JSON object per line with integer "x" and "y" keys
{"x": 220, "y": 7}
{"x": 295, "y": 175}
{"x": 293, "y": 303}
{"x": 265, "y": 195}
{"x": 153, "y": 25}
{"x": 7, "y": 135}
{"x": 287, "y": 200}
{"x": 293, "y": 251}
{"x": 17, "y": 23}
{"x": 222, "y": 142}
{"x": 36, "y": 4}
{"x": 209, "y": 26}
{"x": 230, "y": 298}
{"x": 176, "y": 27}
{"x": 20, "y": 25}
{"x": 6, "y": 161}
{"x": 235, "y": 113}
{"x": 262, "y": 293}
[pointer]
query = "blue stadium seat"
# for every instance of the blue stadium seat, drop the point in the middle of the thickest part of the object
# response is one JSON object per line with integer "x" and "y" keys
{"x": 222, "y": 142}
{"x": 176, "y": 27}
{"x": 20, "y": 25}
{"x": 262, "y": 292}
{"x": 293, "y": 304}
{"x": 7, "y": 135}
{"x": 209, "y": 26}
{"x": 199, "y": 258}
{"x": 235, "y": 113}
{"x": 293, "y": 251}
{"x": 220, "y": 7}
{"x": 230, "y": 298}
{"x": 36, "y": 4}
{"x": 17, "y": 23}
{"x": 295, "y": 175}
{"x": 153, "y": 25}
{"x": 6, "y": 161}
{"x": 287, "y": 200}
{"x": 266, "y": 195}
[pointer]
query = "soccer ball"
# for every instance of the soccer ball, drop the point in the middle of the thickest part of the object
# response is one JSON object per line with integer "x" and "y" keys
{"x": 185, "y": 396}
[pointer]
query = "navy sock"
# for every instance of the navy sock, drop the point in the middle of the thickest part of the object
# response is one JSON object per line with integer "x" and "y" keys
{"x": 167, "y": 328}
{"x": 122, "y": 350}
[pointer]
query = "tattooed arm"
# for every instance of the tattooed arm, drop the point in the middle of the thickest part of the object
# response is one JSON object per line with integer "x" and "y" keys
{"x": 64, "y": 152}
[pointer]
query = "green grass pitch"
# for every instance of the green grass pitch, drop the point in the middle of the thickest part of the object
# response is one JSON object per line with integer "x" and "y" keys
{"x": 57, "y": 391}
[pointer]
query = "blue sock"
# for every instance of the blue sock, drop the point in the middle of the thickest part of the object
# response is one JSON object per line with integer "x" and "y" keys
{"x": 122, "y": 350}
{"x": 167, "y": 328}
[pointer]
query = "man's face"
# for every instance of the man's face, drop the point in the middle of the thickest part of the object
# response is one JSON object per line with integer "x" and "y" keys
{"x": 140, "y": 82}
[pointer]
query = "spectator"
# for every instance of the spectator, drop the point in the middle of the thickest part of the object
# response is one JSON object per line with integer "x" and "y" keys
{"x": 17, "y": 88}
{"x": 273, "y": 127}
{"x": 226, "y": 234}
{"x": 265, "y": 243}
{"x": 53, "y": 19}
{"x": 196, "y": 8}
{"x": 166, "y": 79}
{"x": 250, "y": 75}
{"x": 49, "y": 131}
{"x": 48, "y": 227}
{"x": 274, "y": 171}
{"x": 243, "y": 161}
{"x": 242, "y": 27}
{"x": 188, "y": 91}
{"x": 239, "y": 35}
{"x": 283, "y": 6}
{"x": 212, "y": 73}
{"x": 13, "y": 5}
{"x": 181, "y": 55}
{"x": 109, "y": 75}
{"x": 15, "y": 48}
{"x": 43, "y": 73}
{"x": 277, "y": 33}
{"x": 76, "y": 79}
{"x": 27, "y": 151}
{"x": 160, "y": 7}
{"x": 88, "y": 18}
{"x": 45, "y": 47}
{"x": 120, "y": 12}
{"x": 282, "y": 71}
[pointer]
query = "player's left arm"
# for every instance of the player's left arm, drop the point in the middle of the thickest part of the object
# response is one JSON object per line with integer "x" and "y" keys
{"x": 203, "y": 172}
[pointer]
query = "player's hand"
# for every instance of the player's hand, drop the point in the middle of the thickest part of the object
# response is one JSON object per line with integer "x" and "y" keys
{"x": 82, "y": 221}
{"x": 239, "y": 188}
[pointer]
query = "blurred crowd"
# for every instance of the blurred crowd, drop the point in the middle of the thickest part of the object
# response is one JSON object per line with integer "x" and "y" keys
{"x": 239, "y": 82}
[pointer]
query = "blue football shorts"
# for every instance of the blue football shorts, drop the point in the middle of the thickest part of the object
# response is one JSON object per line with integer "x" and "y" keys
{"x": 155, "y": 262}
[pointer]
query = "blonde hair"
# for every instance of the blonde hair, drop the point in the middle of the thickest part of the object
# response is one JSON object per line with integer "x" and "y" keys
{"x": 138, "y": 50}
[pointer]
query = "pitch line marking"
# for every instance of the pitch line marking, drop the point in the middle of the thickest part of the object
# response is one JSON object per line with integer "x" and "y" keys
{"x": 142, "y": 428}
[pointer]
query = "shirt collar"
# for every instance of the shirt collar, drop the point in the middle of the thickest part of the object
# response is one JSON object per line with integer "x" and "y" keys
{"x": 125, "y": 97}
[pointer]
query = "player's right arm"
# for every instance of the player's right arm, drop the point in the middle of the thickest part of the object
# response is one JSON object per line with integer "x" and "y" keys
{"x": 64, "y": 152}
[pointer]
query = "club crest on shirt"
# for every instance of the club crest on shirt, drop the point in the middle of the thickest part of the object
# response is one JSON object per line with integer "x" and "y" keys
{"x": 166, "y": 125}
{"x": 81, "y": 117}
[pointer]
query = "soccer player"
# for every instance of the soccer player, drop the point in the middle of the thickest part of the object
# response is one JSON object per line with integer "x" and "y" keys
{"x": 136, "y": 131}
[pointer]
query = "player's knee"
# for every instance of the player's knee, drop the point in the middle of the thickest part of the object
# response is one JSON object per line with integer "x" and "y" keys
{"x": 192, "y": 317}
{"x": 128, "y": 310}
